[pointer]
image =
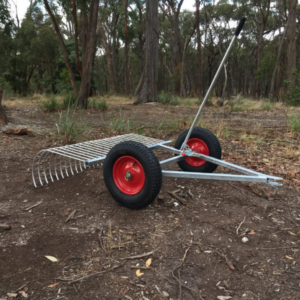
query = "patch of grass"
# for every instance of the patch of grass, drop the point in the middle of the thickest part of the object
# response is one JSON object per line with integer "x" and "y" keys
{"x": 267, "y": 106}
{"x": 69, "y": 100}
{"x": 98, "y": 104}
{"x": 49, "y": 105}
{"x": 294, "y": 122}
{"x": 70, "y": 126}
{"x": 168, "y": 98}
{"x": 120, "y": 124}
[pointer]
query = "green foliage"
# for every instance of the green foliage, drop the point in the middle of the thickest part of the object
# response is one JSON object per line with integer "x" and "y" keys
{"x": 71, "y": 126}
{"x": 294, "y": 122}
{"x": 168, "y": 98}
{"x": 98, "y": 104}
{"x": 293, "y": 95}
{"x": 50, "y": 105}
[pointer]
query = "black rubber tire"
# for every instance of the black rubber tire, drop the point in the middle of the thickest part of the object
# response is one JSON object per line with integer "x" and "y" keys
{"x": 152, "y": 171}
{"x": 212, "y": 143}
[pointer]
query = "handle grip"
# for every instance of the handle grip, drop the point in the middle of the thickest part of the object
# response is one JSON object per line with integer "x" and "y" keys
{"x": 240, "y": 26}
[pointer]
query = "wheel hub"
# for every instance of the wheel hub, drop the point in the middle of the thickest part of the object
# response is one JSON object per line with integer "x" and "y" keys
{"x": 128, "y": 176}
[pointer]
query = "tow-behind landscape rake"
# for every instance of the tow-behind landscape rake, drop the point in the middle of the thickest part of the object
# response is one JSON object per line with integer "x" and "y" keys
{"x": 132, "y": 172}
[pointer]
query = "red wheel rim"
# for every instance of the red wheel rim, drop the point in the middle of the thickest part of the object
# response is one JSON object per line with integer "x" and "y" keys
{"x": 199, "y": 146}
{"x": 129, "y": 175}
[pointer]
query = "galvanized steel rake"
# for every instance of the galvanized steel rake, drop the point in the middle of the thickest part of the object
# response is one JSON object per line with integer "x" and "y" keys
{"x": 132, "y": 173}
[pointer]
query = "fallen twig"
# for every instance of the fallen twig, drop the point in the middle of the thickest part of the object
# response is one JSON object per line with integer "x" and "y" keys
{"x": 138, "y": 256}
{"x": 191, "y": 195}
{"x": 182, "y": 201}
{"x": 100, "y": 240}
{"x": 178, "y": 268}
{"x": 71, "y": 215}
{"x": 229, "y": 263}
{"x": 33, "y": 206}
{"x": 236, "y": 187}
{"x": 237, "y": 230}
{"x": 5, "y": 227}
{"x": 20, "y": 288}
{"x": 72, "y": 280}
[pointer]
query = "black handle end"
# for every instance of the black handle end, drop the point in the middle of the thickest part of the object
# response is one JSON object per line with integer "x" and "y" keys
{"x": 240, "y": 26}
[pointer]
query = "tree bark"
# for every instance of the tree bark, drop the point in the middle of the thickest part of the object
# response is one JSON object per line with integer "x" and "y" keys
{"x": 63, "y": 47}
{"x": 272, "y": 88}
{"x": 111, "y": 72}
{"x": 3, "y": 118}
{"x": 74, "y": 13}
{"x": 126, "y": 61}
{"x": 199, "y": 75}
{"x": 88, "y": 55}
{"x": 291, "y": 41}
{"x": 149, "y": 89}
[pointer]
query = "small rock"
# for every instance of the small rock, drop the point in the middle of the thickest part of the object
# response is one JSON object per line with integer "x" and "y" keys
{"x": 224, "y": 297}
{"x": 165, "y": 294}
{"x": 12, "y": 295}
{"x": 245, "y": 239}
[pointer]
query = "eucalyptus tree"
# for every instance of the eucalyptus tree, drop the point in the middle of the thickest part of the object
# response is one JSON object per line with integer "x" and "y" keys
{"x": 147, "y": 88}
{"x": 84, "y": 20}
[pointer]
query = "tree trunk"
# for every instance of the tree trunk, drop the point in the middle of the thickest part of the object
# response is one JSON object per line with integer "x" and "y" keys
{"x": 63, "y": 47}
{"x": 74, "y": 13}
{"x": 272, "y": 88}
{"x": 3, "y": 118}
{"x": 126, "y": 69}
{"x": 88, "y": 55}
{"x": 199, "y": 75}
{"x": 149, "y": 89}
{"x": 291, "y": 41}
{"x": 111, "y": 72}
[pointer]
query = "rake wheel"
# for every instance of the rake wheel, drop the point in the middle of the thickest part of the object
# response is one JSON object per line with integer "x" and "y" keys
{"x": 132, "y": 174}
{"x": 203, "y": 141}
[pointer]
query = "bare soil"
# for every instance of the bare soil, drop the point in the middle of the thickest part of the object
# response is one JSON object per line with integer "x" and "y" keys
{"x": 196, "y": 249}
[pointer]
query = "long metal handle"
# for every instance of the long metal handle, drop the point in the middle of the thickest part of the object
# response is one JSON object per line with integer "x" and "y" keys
{"x": 239, "y": 28}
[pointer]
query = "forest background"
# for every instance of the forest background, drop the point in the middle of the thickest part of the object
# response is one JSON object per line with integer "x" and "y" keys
{"x": 59, "y": 45}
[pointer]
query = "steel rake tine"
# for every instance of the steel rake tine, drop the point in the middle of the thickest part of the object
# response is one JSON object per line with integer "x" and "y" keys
{"x": 44, "y": 163}
{"x": 66, "y": 168}
{"x": 39, "y": 170}
{"x": 60, "y": 167}
{"x": 55, "y": 164}
{"x": 50, "y": 168}
{"x": 33, "y": 168}
{"x": 75, "y": 162}
{"x": 71, "y": 168}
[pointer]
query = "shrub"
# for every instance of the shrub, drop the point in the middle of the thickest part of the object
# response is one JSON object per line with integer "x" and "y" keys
{"x": 69, "y": 100}
{"x": 293, "y": 95}
{"x": 50, "y": 105}
{"x": 168, "y": 98}
{"x": 99, "y": 105}
{"x": 70, "y": 127}
{"x": 294, "y": 121}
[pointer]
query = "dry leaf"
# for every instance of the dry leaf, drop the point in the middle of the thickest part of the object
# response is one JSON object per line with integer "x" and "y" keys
{"x": 138, "y": 273}
{"x": 148, "y": 262}
{"x": 53, "y": 285}
{"x": 289, "y": 257}
{"x": 52, "y": 258}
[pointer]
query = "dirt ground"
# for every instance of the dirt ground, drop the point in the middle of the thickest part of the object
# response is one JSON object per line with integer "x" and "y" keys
{"x": 196, "y": 250}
